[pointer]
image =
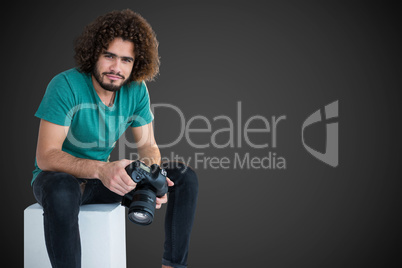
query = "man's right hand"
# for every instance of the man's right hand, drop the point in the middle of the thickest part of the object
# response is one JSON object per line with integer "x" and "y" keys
{"x": 114, "y": 176}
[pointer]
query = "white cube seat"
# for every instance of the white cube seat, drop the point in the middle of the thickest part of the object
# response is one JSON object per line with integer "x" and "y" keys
{"x": 102, "y": 232}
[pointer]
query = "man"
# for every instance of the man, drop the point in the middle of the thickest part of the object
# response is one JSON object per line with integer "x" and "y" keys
{"x": 83, "y": 113}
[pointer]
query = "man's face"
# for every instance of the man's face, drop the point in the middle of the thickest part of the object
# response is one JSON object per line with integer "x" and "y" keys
{"x": 114, "y": 65}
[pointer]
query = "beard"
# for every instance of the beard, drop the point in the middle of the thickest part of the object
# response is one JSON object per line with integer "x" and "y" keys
{"x": 111, "y": 86}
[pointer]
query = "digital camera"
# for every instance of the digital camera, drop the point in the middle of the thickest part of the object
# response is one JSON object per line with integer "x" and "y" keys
{"x": 151, "y": 183}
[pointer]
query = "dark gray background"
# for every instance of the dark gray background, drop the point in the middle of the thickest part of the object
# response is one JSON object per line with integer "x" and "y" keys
{"x": 277, "y": 58}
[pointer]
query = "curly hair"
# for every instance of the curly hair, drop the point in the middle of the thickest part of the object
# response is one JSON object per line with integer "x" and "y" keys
{"x": 127, "y": 25}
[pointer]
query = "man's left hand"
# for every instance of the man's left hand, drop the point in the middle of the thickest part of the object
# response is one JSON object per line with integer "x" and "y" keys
{"x": 163, "y": 199}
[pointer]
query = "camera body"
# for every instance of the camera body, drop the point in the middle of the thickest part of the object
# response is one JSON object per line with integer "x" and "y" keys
{"x": 151, "y": 183}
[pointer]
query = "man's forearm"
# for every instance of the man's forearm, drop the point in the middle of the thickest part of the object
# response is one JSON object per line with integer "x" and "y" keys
{"x": 150, "y": 155}
{"x": 60, "y": 161}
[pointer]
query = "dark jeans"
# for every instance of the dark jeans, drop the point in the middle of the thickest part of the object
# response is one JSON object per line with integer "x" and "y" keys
{"x": 61, "y": 195}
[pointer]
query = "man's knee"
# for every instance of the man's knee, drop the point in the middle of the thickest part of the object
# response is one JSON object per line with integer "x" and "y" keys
{"x": 60, "y": 193}
{"x": 181, "y": 174}
{"x": 189, "y": 176}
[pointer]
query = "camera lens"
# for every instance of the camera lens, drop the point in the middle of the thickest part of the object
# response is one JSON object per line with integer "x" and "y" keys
{"x": 140, "y": 218}
{"x": 142, "y": 208}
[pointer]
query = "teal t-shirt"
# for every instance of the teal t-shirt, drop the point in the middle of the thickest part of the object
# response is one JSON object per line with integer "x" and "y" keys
{"x": 71, "y": 100}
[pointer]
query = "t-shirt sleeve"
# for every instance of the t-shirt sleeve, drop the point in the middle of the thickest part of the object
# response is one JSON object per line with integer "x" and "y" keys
{"x": 142, "y": 114}
{"x": 58, "y": 102}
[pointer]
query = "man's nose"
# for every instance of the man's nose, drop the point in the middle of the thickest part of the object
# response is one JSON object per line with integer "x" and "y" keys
{"x": 116, "y": 66}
